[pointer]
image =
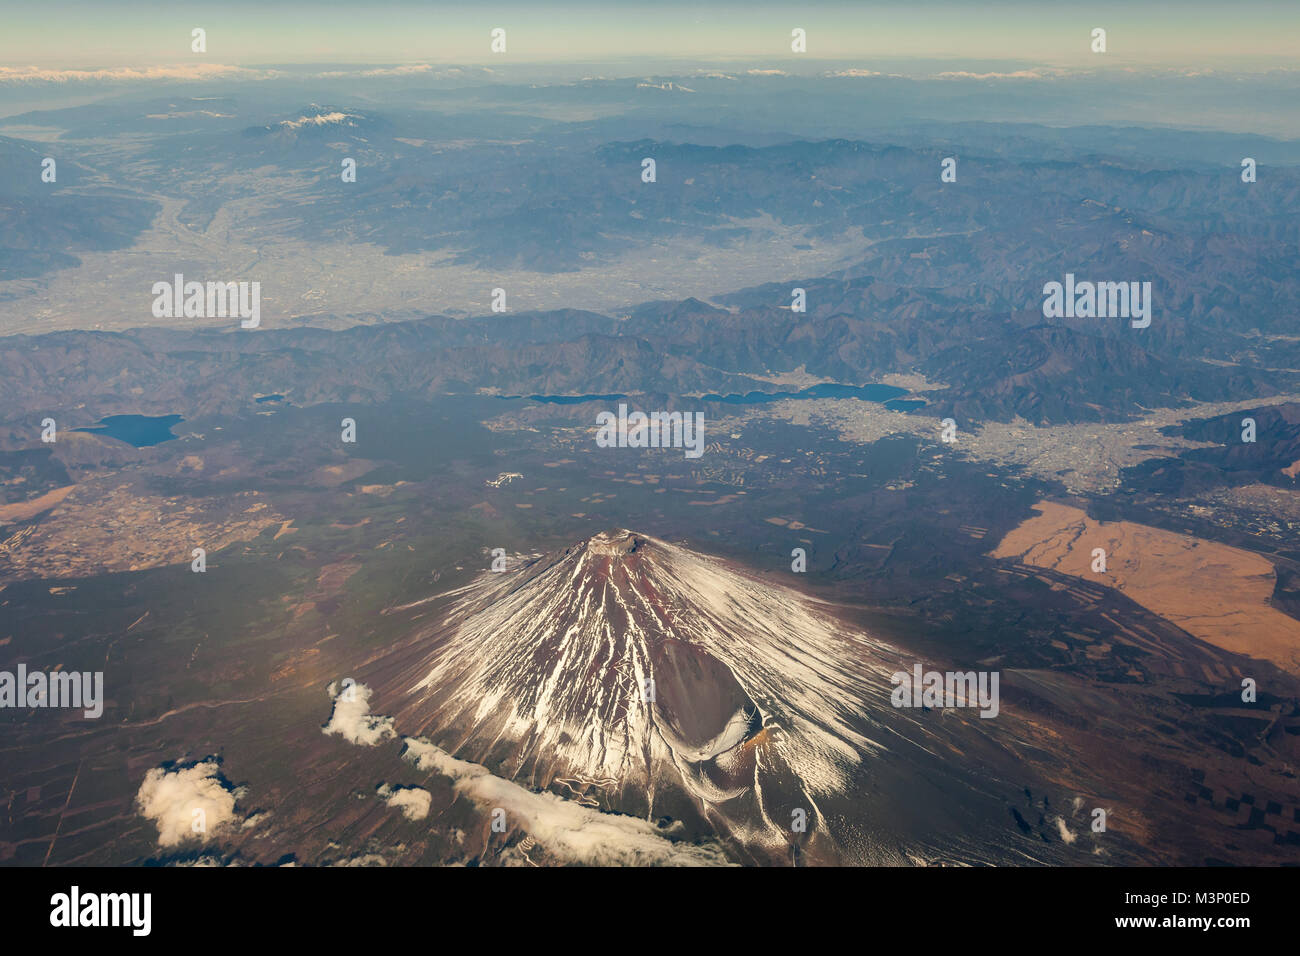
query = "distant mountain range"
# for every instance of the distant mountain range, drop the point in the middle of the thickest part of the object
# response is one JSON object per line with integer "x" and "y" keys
{"x": 994, "y": 366}
{"x": 948, "y": 280}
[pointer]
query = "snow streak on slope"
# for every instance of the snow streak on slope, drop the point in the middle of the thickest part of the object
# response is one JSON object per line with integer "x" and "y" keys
{"x": 758, "y": 697}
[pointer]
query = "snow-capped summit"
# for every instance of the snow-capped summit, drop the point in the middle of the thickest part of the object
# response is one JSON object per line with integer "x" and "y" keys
{"x": 631, "y": 670}
{"x": 316, "y": 123}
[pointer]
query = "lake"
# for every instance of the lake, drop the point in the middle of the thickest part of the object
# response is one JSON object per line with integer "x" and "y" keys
{"x": 865, "y": 393}
{"x": 138, "y": 430}
{"x": 888, "y": 394}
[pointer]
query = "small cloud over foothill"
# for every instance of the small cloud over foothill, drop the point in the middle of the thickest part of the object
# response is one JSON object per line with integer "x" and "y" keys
{"x": 412, "y": 801}
{"x": 187, "y": 803}
{"x": 352, "y": 719}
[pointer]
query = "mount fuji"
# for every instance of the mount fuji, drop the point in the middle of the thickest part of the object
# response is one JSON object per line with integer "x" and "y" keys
{"x": 634, "y": 675}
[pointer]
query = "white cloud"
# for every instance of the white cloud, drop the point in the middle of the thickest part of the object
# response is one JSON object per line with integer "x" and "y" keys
{"x": 183, "y": 114}
{"x": 193, "y": 71}
{"x": 412, "y": 801}
{"x": 412, "y": 69}
{"x": 207, "y": 862}
{"x": 182, "y": 801}
{"x": 569, "y": 831}
{"x": 208, "y": 71}
{"x": 352, "y": 719}
{"x": 1066, "y": 834}
{"x": 366, "y": 859}
{"x": 1015, "y": 75}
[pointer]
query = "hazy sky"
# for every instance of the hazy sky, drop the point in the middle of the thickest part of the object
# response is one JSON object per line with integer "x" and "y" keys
{"x": 1234, "y": 34}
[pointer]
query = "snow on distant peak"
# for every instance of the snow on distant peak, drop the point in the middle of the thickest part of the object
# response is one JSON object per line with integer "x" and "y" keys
{"x": 319, "y": 119}
{"x": 317, "y": 116}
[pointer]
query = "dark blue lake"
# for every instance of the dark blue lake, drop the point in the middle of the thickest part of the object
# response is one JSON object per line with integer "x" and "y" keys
{"x": 138, "y": 430}
{"x": 866, "y": 393}
{"x": 565, "y": 399}
{"x": 905, "y": 404}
